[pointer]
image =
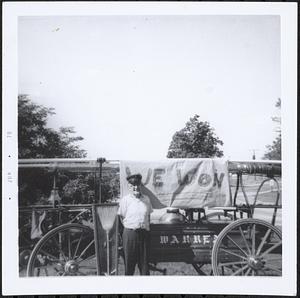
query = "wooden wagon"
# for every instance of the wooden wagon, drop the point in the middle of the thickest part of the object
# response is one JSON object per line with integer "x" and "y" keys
{"x": 227, "y": 240}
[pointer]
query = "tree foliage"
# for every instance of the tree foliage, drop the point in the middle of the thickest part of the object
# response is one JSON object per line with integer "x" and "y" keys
{"x": 80, "y": 189}
{"x": 274, "y": 150}
{"x": 84, "y": 189}
{"x": 36, "y": 140}
{"x": 196, "y": 139}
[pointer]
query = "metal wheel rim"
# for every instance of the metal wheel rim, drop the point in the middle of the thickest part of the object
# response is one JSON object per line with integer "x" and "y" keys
{"x": 253, "y": 260}
{"x": 72, "y": 260}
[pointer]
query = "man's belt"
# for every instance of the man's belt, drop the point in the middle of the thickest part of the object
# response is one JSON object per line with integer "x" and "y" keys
{"x": 137, "y": 230}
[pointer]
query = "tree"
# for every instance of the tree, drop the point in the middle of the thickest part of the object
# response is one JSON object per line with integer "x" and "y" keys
{"x": 36, "y": 140}
{"x": 274, "y": 150}
{"x": 80, "y": 190}
{"x": 84, "y": 189}
{"x": 196, "y": 139}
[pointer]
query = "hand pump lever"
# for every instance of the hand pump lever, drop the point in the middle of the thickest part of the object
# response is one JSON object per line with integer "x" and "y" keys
{"x": 100, "y": 160}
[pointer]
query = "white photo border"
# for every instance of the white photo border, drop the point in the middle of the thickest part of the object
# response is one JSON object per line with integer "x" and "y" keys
{"x": 12, "y": 284}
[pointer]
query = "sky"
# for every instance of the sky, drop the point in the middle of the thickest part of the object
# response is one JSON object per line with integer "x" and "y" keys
{"x": 128, "y": 83}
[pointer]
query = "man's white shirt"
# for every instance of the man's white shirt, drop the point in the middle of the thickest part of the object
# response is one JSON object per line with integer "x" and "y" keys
{"x": 135, "y": 212}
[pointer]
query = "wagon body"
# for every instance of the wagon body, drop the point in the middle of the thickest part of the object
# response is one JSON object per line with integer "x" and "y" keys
{"x": 191, "y": 243}
{"x": 185, "y": 242}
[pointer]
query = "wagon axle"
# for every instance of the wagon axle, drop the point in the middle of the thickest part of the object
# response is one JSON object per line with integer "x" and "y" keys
{"x": 71, "y": 267}
{"x": 255, "y": 262}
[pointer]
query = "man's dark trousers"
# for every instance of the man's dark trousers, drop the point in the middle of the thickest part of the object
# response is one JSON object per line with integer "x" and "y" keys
{"x": 136, "y": 245}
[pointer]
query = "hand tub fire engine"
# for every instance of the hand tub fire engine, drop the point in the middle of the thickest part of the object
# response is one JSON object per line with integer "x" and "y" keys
{"x": 219, "y": 240}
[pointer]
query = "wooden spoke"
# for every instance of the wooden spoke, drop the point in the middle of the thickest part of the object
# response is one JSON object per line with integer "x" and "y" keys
{"x": 236, "y": 245}
{"x": 271, "y": 248}
{"x": 236, "y": 267}
{"x": 263, "y": 241}
{"x": 248, "y": 271}
{"x": 77, "y": 246}
{"x": 232, "y": 253}
{"x": 240, "y": 270}
{"x": 84, "y": 251}
{"x": 245, "y": 241}
{"x": 273, "y": 268}
{"x": 87, "y": 259}
{"x": 69, "y": 245}
{"x": 275, "y": 258}
{"x": 60, "y": 250}
{"x": 58, "y": 273}
{"x": 253, "y": 239}
{"x": 56, "y": 270}
{"x": 88, "y": 267}
{"x": 54, "y": 259}
{"x": 232, "y": 263}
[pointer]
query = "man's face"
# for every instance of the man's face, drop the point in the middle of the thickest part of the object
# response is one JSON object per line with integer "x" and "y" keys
{"x": 136, "y": 190}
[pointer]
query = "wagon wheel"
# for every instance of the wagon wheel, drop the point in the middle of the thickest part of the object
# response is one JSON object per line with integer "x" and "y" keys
{"x": 248, "y": 247}
{"x": 66, "y": 250}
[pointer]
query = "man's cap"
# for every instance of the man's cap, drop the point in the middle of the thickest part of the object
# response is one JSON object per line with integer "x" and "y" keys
{"x": 135, "y": 179}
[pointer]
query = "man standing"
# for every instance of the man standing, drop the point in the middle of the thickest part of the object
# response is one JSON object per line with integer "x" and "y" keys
{"x": 134, "y": 210}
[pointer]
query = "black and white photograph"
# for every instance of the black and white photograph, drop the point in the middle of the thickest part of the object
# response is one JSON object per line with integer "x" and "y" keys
{"x": 149, "y": 148}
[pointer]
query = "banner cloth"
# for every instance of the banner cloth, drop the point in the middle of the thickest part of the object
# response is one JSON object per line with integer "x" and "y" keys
{"x": 37, "y": 219}
{"x": 180, "y": 183}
